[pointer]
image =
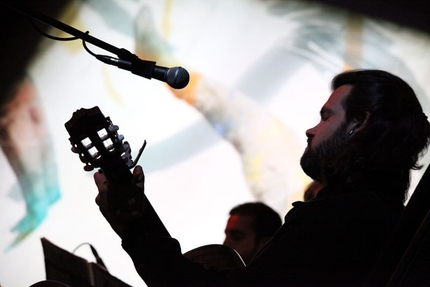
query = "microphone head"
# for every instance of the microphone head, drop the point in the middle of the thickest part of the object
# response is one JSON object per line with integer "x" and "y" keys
{"x": 177, "y": 77}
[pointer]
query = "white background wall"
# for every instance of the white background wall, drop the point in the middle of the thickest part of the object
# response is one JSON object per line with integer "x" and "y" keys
{"x": 278, "y": 55}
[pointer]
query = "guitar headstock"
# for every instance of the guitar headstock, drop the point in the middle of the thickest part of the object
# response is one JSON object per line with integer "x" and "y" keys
{"x": 96, "y": 140}
{"x": 94, "y": 137}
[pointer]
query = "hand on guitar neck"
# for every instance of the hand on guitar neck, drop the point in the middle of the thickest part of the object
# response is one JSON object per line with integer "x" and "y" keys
{"x": 120, "y": 204}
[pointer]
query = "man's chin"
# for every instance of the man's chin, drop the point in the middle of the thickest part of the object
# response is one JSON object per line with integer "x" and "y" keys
{"x": 308, "y": 164}
{"x": 307, "y": 154}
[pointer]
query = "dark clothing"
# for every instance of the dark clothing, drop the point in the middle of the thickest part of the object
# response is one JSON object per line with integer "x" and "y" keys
{"x": 332, "y": 240}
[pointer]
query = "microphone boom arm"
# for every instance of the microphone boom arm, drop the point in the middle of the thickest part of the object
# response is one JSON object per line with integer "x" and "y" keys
{"x": 68, "y": 29}
{"x": 176, "y": 77}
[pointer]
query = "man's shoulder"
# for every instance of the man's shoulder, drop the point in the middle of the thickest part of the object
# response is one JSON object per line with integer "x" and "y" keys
{"x": 346, "y": 207}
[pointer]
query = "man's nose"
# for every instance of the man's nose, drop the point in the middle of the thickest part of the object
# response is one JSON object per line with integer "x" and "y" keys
{"x": 310, "y": 132}
{"x": 225, "y": 241}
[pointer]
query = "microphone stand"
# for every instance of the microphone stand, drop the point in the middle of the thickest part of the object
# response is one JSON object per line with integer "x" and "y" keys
{"x": 140, "y": 67}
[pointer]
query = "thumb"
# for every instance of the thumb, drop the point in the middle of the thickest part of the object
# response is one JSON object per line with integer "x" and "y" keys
{"x": 138, "y": 176}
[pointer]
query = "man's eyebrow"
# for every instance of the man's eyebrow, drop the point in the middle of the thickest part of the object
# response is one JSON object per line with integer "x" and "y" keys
{"x": 325, "y": 110}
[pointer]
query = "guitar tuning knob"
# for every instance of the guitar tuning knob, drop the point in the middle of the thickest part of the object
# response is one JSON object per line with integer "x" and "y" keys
{"x": 75, "y": 149}
{"x": 113, "y": 128}
{"x": 88, "y": 167}
{"x": 125, "y": 147}
{"x": 83, "y": 159}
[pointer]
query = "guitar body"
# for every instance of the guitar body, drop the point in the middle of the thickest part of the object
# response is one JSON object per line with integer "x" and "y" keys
{"x": 215, "y": 256}
{"x": 49, "y": 283}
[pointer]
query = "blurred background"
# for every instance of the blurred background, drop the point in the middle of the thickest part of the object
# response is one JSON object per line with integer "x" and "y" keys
{"x": 260, "y": 72}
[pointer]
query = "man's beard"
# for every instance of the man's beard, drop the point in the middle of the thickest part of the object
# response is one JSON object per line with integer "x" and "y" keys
{"x": 320, "y": 162}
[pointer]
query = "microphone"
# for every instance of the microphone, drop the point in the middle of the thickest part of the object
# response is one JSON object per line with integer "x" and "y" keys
{"x": 176, "y": 77}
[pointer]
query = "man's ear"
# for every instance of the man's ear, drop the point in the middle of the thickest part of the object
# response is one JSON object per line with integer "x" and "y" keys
{"x": 358, "y": 124}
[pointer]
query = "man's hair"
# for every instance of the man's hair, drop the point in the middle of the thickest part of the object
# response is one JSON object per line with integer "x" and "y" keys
{"x": 265, "y": 220}
{"x": 396, "y": 133}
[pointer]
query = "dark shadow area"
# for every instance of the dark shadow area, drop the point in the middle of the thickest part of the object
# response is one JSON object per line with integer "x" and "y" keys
{"x": 19, "y": 39}
{"x": 411, "y": 13}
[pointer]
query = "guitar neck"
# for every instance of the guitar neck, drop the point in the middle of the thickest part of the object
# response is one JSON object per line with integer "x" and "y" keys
{"x": 152, "y": 218}
{"x": 118, "y": 173}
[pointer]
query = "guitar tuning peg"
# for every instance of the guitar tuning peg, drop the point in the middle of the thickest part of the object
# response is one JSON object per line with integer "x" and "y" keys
{"x": 83, "y": 159}
{"x": 113, "y": 128}
{"x": 125, "y": 147}
{"x": 88, "y": 167}
{"x": 120, "y": 137}
{"x": 75, "y": 149}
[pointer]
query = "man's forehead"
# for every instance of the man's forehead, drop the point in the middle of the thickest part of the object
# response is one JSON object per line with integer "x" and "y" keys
{"x": 240, "y": 220}
{"x": 337, "y": 98}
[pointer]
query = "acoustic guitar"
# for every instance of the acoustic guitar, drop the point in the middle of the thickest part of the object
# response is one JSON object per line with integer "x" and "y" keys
{"x": 96, "y": 140}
